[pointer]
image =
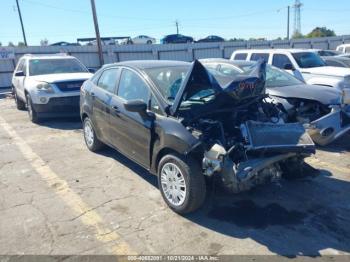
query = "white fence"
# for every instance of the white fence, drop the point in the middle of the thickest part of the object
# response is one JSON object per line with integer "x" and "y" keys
{"x": 186, "y": 52}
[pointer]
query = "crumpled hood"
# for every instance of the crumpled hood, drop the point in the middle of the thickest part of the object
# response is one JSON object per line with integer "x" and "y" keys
{"x": 327, "y": 70}
{"x": 323, "y": 94}
{"x": 52, "y": 78}
{"x": 241, "y": 86}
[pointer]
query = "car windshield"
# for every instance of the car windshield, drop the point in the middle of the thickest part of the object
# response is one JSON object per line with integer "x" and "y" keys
{"x": 168, "y": 80}
{"x": 55, "y": 66}
{"x": 274, "y": 76}
{"x": 308, "y": 59}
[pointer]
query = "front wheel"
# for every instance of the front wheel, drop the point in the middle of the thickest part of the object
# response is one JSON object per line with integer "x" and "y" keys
{"x": 33, "y": 115}
{"x": 181, "y": 183}
{"x": 91, "y": 140}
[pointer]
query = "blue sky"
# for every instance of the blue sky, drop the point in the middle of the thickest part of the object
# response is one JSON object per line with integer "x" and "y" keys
{"x": 66, "y": 20}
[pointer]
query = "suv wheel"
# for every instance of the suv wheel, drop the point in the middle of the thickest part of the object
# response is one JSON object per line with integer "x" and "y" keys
{"x": 91, "y": 140}
{"x": 33, "y": 115}
{"x": 181, "y": 183}
{"x": 19, "y": 103}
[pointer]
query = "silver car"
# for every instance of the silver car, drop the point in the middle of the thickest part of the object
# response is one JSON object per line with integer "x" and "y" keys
{"x": 323, "y": 110}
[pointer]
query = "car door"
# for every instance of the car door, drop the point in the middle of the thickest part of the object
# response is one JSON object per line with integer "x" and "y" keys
{"x": 102, "y": 94}
{"x": 130, "y": 132}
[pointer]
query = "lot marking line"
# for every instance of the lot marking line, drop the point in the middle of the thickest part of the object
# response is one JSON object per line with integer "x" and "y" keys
{"x": 323, "y": 164}
{"x": 90, "y": 217}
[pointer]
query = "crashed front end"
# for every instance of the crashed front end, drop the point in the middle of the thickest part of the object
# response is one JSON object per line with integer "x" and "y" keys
{"x": 268, "y": 151}
{"x": 242, "y": 137}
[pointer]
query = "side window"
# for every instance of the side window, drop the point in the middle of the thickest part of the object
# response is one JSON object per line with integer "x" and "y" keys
{"x": 108, "y": 79}
{"x": 240, "y": 56}
{"x": 154, "y": 106}
{"x": 258, "y": 56}
{"x": 131, "y": 87}
{"x": 280, "y": 60}
{"x": 20, "y": 65}
{"x": 24, "y": 68}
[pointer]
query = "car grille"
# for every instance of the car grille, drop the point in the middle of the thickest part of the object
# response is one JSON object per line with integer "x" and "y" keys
{"x": 69, "y": 85}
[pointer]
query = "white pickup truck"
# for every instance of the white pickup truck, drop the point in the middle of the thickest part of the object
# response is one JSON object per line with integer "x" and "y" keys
{"x": 303, "y": 63}
{"x": 48, "y": 85}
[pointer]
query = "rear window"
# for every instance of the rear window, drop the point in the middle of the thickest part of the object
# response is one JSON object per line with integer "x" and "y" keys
{"x": 258, "y": 56}
{"x": 240, "y": 56}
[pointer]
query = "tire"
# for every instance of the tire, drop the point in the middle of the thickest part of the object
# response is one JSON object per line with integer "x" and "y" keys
{"x": 33, "y": 115}
{"x": 188, "y": 179}
{"x": 149, "y": 42}
{"x": 90, "y": 138}
{"x": 19, "y": 103}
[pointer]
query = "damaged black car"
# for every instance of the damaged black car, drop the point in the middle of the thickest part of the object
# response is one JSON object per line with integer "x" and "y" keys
{"x": 175, "y": 120}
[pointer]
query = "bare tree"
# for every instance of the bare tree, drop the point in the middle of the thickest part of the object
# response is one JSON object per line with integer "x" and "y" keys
{"x": 44, "y": 42}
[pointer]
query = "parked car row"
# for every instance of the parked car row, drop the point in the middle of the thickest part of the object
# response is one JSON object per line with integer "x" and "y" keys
{"x": 242, "y": 122}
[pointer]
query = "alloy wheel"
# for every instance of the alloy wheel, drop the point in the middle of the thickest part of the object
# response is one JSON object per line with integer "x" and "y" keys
{"x": 173, "y": 184}
{"x": 88, "y": 134}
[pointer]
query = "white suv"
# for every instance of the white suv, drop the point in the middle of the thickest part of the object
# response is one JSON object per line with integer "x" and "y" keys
{"x": 345, "y": 48}
{"x": 306, "y": 64}
{"x": 48, "y": 85}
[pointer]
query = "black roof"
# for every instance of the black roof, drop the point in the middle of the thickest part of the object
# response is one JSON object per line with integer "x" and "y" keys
{"x": 145, "y": 64}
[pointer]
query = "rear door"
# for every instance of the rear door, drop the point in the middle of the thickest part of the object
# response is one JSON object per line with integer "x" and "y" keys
{"x": 102, "y": 94}
{"x": 130, "y": 132}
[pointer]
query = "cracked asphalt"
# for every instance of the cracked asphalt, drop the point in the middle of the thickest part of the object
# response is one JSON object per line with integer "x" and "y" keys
{"x": 58, "y": 198}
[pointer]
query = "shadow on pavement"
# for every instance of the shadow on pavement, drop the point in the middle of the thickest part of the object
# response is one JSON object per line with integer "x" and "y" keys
{"x": 341, "y": 145}
{"x": 296, "y": 217}
{"x": 66, "y": 123}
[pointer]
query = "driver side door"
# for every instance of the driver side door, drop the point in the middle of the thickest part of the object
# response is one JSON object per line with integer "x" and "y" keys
{"x": 130, "y": 133}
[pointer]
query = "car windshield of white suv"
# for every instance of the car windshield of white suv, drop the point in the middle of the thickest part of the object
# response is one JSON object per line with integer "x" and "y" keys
{"x": 55, "y": 66}
{"x": 308, "y": 59}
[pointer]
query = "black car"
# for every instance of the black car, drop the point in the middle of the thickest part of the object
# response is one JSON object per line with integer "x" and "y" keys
{"x": 211, "y": 38}
{"x": 175, "y": 120}
{"x": 176, "y": 39}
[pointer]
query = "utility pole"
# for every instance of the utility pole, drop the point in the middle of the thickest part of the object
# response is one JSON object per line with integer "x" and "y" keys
{"x": 288, "y": 15}
{"x": 97, "y": 31}
{"x": 20, "y": 18}
{"x": 177, "y": 26}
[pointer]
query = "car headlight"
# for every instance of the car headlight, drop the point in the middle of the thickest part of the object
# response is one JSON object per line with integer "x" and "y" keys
{"x": 45, "y": 87}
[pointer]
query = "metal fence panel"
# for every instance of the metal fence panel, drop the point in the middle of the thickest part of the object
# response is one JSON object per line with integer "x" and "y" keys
{"x": 185, "y": 52}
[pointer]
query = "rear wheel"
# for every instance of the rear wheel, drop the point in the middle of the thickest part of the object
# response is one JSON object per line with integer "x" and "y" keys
{"x": 19, "y": 103}
{"x": 181, "y": 183}
{"x": 33, "y": 115}
{"x": 91, "y": 140}
{"x": 149, "y": 42}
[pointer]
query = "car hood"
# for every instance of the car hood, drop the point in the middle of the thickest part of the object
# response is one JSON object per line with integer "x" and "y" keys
{"x": 240, "y": 88}
{"x": 52, "y": 78}
{"x": 323, "y": 94}
{"x": 327, "y": 70}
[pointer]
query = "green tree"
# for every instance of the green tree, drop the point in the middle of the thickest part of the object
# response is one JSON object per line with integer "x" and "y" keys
{"x": 10, "y": 44}
{"x": 321, "y": 32}
{"x": 0, "y": 44}
{"x": 21, "y": 44}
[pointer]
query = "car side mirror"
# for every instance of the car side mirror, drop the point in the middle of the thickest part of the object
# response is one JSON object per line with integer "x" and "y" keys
{"x": 92, "y": 70}
{"x": 136, "y": 105}
{"x": 19, "y": 73}
{"x": 288, "y": 67}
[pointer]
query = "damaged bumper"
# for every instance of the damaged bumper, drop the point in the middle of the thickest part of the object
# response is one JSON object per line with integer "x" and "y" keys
{"x": 330, "y": 127}
{"x": 270, "y": 149}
